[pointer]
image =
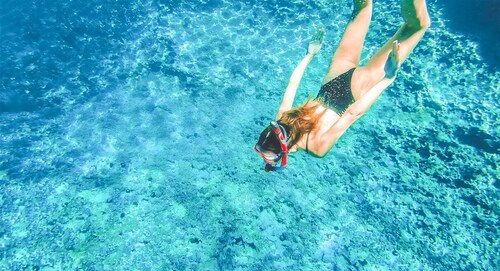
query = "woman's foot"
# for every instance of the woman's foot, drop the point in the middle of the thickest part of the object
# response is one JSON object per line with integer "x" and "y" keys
{"x": 393, "y": 62}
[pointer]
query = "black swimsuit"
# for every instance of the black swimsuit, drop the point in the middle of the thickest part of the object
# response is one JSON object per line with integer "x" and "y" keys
{"x": 336, "y": 95}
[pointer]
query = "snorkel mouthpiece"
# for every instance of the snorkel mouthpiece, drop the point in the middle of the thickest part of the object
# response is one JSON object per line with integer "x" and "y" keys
{"x": 280, "y": 133}
{"x": 269, "y": 167}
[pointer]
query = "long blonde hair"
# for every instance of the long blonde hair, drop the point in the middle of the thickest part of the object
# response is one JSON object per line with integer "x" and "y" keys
{"x": 300, "y": 120}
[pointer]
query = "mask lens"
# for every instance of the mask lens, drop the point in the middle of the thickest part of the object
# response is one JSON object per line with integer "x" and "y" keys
{"x": 269, "y": 157}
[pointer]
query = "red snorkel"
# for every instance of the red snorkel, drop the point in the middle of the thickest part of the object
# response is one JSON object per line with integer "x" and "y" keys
{"x": 280, "y": 134}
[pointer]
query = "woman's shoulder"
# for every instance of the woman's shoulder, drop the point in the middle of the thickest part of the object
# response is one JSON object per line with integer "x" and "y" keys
{"x": 317, "y": 140}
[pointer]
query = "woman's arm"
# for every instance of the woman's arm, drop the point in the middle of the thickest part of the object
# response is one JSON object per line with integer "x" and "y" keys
{"x": 293, "y": 85}
{"x": 289, "y": 96}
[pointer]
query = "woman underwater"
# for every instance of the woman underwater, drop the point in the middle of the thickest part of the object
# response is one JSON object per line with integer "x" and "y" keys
{"x": 348, "y": 90}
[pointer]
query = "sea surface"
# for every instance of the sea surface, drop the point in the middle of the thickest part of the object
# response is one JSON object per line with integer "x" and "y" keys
{"x": 127, "y": 128}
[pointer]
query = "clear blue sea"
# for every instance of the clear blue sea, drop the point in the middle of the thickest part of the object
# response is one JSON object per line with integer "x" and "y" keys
{"x": 127, "y": 127}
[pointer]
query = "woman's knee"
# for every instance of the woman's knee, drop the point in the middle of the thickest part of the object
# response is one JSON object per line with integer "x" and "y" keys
{"x": 425, "y": 21}
{"x": 415, "y": 14}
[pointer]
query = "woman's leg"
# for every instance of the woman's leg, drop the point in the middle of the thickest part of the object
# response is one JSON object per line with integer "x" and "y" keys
{"x": 348, "y": 52}
{"x": 411, "y": 32}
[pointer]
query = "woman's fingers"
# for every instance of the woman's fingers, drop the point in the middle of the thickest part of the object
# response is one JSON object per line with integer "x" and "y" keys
{"x": 318, "y": 36}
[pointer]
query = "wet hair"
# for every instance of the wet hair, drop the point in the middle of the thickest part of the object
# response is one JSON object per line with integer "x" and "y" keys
{"x": 297, "y": 121}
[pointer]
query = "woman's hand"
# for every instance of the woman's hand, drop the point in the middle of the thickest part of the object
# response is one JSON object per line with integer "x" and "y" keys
{"x": 392, "y": 64}
{"x": 316, "y": 42}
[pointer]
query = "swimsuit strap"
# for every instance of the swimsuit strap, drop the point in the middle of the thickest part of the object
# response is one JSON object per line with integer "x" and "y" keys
{"x": 307, "y": 142}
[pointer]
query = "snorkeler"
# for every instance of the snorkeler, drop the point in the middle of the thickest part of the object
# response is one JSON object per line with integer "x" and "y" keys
{"x": 348, "y": 90}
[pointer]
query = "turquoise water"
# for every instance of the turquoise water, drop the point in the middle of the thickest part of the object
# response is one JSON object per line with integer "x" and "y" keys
{"x": 127, "y": 130}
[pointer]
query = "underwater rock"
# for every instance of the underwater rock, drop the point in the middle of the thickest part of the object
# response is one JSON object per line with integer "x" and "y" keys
{"x": 479, "y": 139}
